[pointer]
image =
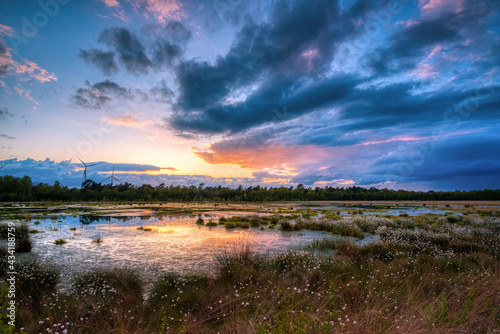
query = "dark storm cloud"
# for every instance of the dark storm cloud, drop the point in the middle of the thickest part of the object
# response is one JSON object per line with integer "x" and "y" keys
{"x": 168, "y": 43}
{"x": 105, "y": 61}
{"x": 156, "y": 47}
{"x": 131, "y": 51}
{"x": 258, "y": 107}
{"x": 395, "y": 105}
{"x": 410, "y": 44}
{"x": 285, "y": 56}
{"x": 165, "y": 53}
{"x": 472, "y": 157}
{"x": 96, "y": 96}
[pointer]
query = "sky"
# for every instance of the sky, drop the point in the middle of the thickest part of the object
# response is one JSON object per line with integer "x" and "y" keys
{"x": 398, "y": 94}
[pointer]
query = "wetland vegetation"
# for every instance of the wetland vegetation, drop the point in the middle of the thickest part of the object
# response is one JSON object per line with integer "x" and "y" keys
{"x": 352, "y": 268}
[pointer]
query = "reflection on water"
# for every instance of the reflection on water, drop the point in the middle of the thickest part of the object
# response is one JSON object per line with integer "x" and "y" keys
{"x": 151, "y": 240}
{"x": 165, "y": 243}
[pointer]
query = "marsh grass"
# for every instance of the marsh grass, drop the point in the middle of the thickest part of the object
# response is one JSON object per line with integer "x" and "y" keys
{"x": 344, "y": 227}
{"x": 111, "y": 286}
{"x": 97, "y": 240}
{"x": 34, "y": 281}
{"x": 23, "y": 245}
{"x": 20, "y": 231}
{"x": 324, "y": 244}
{"x": 424, "y": 275}
{"x": 60, "y": 242}
{"x": 211, "y": 223}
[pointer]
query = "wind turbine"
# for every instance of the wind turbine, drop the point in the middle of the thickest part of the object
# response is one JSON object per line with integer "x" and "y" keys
{"x": 85, "y": 170}
{"x": 112, "y": 177}
{"x": 4, "y": 165}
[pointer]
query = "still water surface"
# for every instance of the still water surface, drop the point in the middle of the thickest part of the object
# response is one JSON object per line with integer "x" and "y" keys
{"x": 174, "y": 244}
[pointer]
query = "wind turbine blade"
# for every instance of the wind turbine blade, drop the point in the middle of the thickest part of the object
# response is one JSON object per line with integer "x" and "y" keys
{"x": 80, "y": 160}
{"x": 94, "y": 164}
{"x": 116, "y": 179}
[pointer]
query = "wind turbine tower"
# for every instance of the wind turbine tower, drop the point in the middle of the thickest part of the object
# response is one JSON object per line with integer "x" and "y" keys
{"x": 85, "y": 170}
{"x": 112, "y": 177}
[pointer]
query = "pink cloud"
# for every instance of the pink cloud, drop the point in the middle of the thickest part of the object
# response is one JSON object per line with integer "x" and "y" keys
{"x": 26, "y": 94}
{"x": 160, "y": 10}
{"x": 28, "y": 67}
{"x": 111, "y": 3}
{"x": 6, "y": 30}
{"x": 437, "y": 50}
{"x": 435, "y": 7}
{"x": 405, "y": 138}
{"x": 34, "y": 71}
{"x": 425, "y": 71}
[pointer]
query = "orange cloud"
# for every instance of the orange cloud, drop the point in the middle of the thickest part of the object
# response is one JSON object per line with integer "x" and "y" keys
{"x": 165, "y": 170}
{"x": 259, "y": 158}
{"x": 129, "y": 121}
{"x": 339, "y": 182}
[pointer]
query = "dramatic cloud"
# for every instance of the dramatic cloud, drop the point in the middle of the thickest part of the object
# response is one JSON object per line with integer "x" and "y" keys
{"x": 105, "y": 61}
{"x": 98, "y": 95}
{"x": 400, "y": 94}
{"x": 270, "y": 65}
{"x": 471, "y": 161}
{"x": 455, "y": 21}
{"x": 131, "y": 51}
{"x": 138, "y": 58}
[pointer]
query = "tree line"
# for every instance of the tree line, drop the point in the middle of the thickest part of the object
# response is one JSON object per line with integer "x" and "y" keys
{"x": 14, "y": 189}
